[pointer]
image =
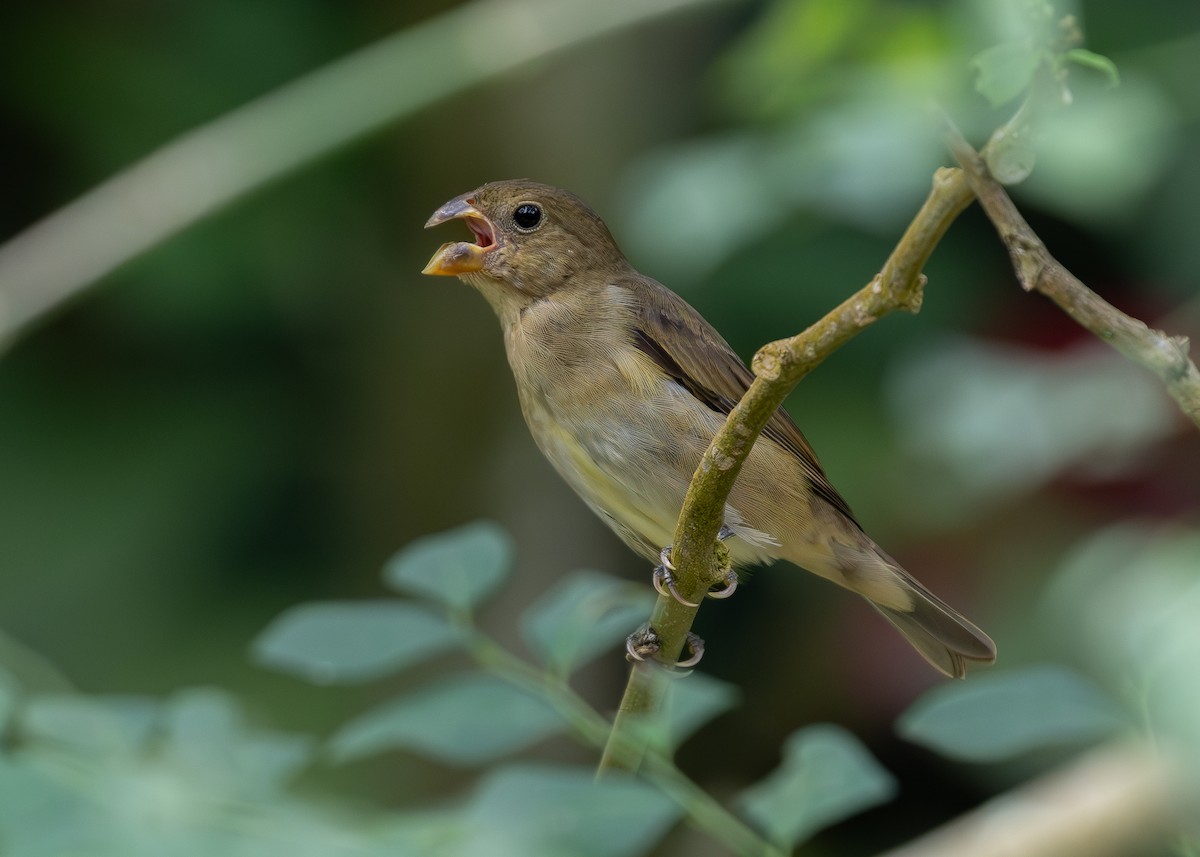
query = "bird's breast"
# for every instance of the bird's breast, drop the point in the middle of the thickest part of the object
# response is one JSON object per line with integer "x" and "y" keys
{"x": 623, "y": 435}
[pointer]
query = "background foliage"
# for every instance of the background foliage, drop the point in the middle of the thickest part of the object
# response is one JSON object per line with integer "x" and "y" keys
{"x": 258, "y": 412}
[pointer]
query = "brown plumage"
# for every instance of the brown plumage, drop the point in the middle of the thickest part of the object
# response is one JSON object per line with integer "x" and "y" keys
{"x": 623, "y": 385}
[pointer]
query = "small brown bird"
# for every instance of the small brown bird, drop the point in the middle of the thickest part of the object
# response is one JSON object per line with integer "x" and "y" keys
{"x": 623, "y": 385}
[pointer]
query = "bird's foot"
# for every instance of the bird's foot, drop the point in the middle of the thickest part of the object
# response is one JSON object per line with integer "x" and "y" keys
{"x": 664, "y": 577}
{"x": 731, "y": 583}
{"x": 644, "y": 643}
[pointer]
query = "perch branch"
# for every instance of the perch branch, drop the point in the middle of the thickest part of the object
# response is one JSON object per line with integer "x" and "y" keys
{"x": 778, "y": 367}
{"x": 1164, "y": 355}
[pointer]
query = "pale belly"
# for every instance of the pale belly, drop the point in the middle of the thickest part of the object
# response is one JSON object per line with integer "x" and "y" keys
{"x": 633, "y": 469}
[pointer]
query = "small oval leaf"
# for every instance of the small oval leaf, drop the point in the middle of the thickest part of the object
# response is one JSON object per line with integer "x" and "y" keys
{"x": 996, "y": 717}
{"x": 340, "y": 642}
{"x": 457, "y": 568}
{"x": 468, "y": 719}
{"x": 104, "y": 725}
{"x": 1005, "y": 71}
{"x": 584, "y": 614}
{"x": 686, "y": 705}
{"x": 545, "y": 810}
{"x": 826, "y": 775}
{"x": 1010, "y": 160}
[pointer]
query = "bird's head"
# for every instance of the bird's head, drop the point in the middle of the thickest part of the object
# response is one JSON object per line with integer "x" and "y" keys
{"x": 530, "y": 241}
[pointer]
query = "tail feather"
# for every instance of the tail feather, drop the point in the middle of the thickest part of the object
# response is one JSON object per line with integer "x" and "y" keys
{"x": 936, "y": 630}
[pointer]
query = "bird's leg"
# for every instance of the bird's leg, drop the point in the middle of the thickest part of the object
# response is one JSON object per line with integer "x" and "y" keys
{"x": 644, "y": 643}
{"x": 696, "y": 647}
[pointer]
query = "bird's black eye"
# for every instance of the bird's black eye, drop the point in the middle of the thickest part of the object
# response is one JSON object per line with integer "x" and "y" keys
{"x": 527, "y": 216}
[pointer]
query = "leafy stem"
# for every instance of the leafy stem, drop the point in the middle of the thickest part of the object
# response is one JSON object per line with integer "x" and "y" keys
{"x": 591, "y": 727}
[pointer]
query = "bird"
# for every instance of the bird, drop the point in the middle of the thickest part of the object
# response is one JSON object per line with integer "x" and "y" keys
{"x": 623, "y": 386}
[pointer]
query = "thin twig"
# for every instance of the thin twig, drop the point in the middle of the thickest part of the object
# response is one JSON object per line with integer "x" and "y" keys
{"x": 1166, "y": 356}
{"x": 778, "y": 367}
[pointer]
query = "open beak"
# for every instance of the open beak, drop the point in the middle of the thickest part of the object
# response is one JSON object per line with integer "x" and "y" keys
{"x": 461, "y": 257}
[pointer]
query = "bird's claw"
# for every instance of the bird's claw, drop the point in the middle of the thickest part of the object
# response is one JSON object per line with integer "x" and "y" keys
{"x": 664, "y": 580}
{"x": 696, "y": 647}
{"x": 644, "y": 643}
{"x": 731, "y": 584}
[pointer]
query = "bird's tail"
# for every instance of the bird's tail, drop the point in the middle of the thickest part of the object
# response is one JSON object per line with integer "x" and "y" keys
{"x": 935, "y": 629}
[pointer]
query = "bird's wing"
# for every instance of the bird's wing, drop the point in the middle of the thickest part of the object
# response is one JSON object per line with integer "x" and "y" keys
{"x": 690, "y": 350}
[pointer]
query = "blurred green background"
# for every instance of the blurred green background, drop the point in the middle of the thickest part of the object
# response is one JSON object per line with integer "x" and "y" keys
{"x": 262, "y": 409}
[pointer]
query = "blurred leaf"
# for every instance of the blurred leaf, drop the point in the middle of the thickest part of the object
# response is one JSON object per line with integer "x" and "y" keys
{"x": 27, "y": 668}
{"x": 996, "y": 717}
{"x": 9, "y": 694}
{"x": 1005, "y": 71}
{"x": 996, "y": 420}
{"x": 1124, "y": 136}
{"x": 542, "y": 811}
{"x": 687, "y": 704}
{"x": 209, "y": 743}
{"x": 40, "y": 814}
{"x": 1099, "y": 62}
{"x": 1127, "y": 598}
{"x": 457, "y": 568}
{"x": 1011, "y": 158}
{"x": 581, "y": 616}
{"x": 103, "y": 725}
{"x": 467, "y": 719}
{"x": 341, "y": 642}
{"x": 693, "y": 701}
{"x": 775, "y": 66}
{"x": 826, "y": 775}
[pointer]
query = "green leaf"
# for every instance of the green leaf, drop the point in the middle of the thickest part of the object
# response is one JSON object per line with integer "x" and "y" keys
{"x": 457, "y": 568}
{"x": 1005, "y": 71}
{"x": 687, "y": 704}
{"x": 827, "y": 775}
{"x": 693, "y": 701}
{"x": 543, "y": 811}
{"x": 580, "y": 617}
{"x": 996, "y": 717}
{"x": 1011, "y": 159}
{"x": 208, "y": 743}
{"x": 340, "y": 642}
{"x": 1099, "y": 62}
{"x": 45, "y": 812}
{"x": 467, "y": 719}
{"x": 9, "y": 694}
{"x": 103, "y": 725}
